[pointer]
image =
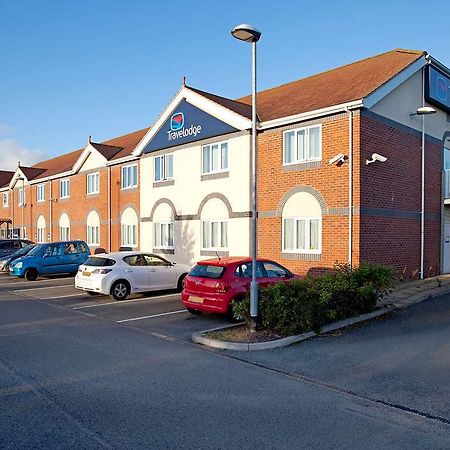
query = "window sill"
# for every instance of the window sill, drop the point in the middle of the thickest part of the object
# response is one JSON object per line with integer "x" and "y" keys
{"x": 304, "y": 165}
{"x": 163, "y": 183}
{"x": 164, "y": 251}
{"x": 93, "y": 194}
{"x": 301, "y": 256}
{"x": 222, "y": 253}
{"x": 214, "y": 175}
{"x": 129, "y": 189}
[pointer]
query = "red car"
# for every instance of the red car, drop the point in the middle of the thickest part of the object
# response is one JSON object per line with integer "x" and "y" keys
{"x": 212, "y": 284}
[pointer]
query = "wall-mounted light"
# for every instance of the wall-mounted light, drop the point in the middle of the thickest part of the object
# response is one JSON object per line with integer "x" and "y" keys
{"x": 423, "y": 111}
{"x": 376, "y": 157}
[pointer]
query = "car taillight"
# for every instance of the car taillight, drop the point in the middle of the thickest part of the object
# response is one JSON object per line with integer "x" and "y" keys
{"x": 222, "y": 287}
{"x": 102, "y": 271}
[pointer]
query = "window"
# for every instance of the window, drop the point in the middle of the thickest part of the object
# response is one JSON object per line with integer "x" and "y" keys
{"x": 41, "y": 229}
{"x": 135, "y": 260}
{"x": 164, "y": 235}
{"x": 129, "y": 235}
{"x": 129, "y": 176}
{"x": 153, "y": 260}
{"x": 71, "y": 248}
{"x": 274, "y": 270}
{"x": 93, "y": 183}
{"x": 215, "y": 158}
{"x": 5, "y": 199}
{"x": 40, "y": 193}
{"x": 64, "y": 227}
{"x": 302, "y": 234}
{"x": 93, "y": 229}
{"x": 163, "y": 167}
{"x": 64, "y": 189}
{"x": 206, "y": 271}
{"x": 21, "y": 197}
{"x": 215, "y": 234}
{"x": 302, "y": 145}
{"x": 245, "y": 270}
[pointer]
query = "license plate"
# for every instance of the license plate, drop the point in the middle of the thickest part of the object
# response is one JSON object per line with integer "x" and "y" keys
{"x": 195, "y": 299}
{"x": 86, "y": 274}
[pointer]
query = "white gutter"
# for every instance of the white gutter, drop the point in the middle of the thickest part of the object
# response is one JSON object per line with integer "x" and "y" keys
{"x": 343, "y": 107}
{"x": 109, "y": 209}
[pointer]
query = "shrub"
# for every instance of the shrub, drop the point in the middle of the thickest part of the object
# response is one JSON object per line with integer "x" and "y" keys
{"x": 304, "y": 305}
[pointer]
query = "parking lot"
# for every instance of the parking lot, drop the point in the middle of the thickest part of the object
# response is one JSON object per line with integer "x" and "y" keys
{"x": 158, "y": 312}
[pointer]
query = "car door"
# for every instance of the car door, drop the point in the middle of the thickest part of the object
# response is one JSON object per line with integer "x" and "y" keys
{"x": 163, "y": 274}
{"x": 52, "y": 260}
{"x": 137, "y": 272}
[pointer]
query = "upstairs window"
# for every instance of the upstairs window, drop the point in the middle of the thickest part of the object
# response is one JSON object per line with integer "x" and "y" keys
{"x": 5, "y": 199}
{"x": 64, "y": 188}
{"x": 163, "y": 167}
{"x": 215, "y": 158}
{"x": 40, "y": 193}
{"x": 21, "y": 197}
{"x": 93, "y": 183}
{"x": 129, "y": 176}
{"x": 302, "y": 145}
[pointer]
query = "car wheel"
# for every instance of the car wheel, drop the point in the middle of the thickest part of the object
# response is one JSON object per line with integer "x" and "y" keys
{"x": 180, "y": 283}
{"x": 93, "y": 294}
{"x": 120, "y": 290}
{"x": 194, "y": 311}
{"x": 31, "y": 274}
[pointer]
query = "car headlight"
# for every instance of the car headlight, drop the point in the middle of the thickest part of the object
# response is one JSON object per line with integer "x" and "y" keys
{"x": 18, "y": 265}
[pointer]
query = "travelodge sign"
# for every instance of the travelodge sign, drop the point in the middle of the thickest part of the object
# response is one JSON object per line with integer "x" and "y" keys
{"x": 437, "y": 88}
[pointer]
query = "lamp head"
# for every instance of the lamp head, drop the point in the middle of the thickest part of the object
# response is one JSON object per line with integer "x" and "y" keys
{"x": 424, "y": 110}
{"x": 246, "y": 32}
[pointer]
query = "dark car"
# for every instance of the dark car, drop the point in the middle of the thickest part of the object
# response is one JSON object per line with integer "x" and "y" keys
{"x": 214, "y": 283}
{"x": 5, "y": 261}
{"x": 10, "y": 246}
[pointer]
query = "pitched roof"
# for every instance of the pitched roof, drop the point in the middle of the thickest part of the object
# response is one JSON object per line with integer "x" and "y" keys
{"x": 60, "y": 164}
{"x": 31, "y": 172}
{"x": 108, "y": 151}
{"x": 350, "y": 82}
{"x": 238, "y": 107}
{"x": 128, "y": 143}
{"x": 5, "y": 177}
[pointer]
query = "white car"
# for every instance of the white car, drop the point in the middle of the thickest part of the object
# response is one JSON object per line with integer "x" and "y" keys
{"x": 124, "y": 273}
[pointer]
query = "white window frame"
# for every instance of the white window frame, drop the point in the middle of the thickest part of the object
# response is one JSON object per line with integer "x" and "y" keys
{"x": 127, "y": 185}
{"x": 64, "y": 233}
{"x": 211, "y": 158}
{"x": 129, "y": 235}
{"x": 163, "y": 163}
{"x": 66, "y": 191}
{"x": 307, "y": 250}
{"x": 211, "y": 221}
{"x": 41, "y": 238}
{"x": 161, "y": 244}
{"x": 5, "y": 199}
{"x": 93, "y": 235}
{"x": 95, "y": 185}
{"x": 40, "y": 193}
{"x": 21, "y": 198}
{"x": 307, "y": 158}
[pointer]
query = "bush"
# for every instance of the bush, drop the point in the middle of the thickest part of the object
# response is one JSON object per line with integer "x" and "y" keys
{"x": 304, "y": 305}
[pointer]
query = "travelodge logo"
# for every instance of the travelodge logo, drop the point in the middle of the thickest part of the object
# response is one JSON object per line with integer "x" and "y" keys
{"x": 177, "y": 129}
{"x": 441, "y": 88}
{"x": 177, "y": 121}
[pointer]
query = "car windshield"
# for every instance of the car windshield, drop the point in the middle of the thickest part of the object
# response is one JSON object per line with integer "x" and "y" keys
{"x": 95, "y": 261}
{"x": 35, "y": 250}
{"x": 207, "y": 271}
{"x": 24, "y": 250}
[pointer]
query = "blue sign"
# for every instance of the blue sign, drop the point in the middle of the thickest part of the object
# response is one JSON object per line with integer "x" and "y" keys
{"x": 437, "y": 88}
{"x": 187, "y": 123}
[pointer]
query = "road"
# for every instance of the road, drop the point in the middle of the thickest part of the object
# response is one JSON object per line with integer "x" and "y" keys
{"x": 87, "y": 372}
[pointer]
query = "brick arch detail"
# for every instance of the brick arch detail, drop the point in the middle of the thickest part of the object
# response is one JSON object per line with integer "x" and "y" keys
{"x": 126, "y": 206}
{"x": 219, "y": 196}
{"x": 161, "y": 201}
{"x": 302, "y": 188}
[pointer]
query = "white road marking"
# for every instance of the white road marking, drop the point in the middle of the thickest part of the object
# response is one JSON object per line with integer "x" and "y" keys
{"x": 154, "y": 315}
{"x": 121, "y": 302}
{"x": 41, "y": 288}
{"x": 62, "y": 296}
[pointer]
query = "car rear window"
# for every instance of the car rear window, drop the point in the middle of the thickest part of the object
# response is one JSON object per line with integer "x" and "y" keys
{"x": 99, "y": 262}
{"x": 207, "y": 271}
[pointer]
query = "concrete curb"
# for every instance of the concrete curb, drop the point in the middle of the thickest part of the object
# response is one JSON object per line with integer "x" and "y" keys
{"x": 199, "y": 337}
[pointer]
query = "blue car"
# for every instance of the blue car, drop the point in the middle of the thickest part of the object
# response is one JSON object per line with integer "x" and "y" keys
{"x": 51, "y": 259}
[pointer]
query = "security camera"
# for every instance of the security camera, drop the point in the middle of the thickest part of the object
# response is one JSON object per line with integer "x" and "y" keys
{"x": 376, "y": 157}
{"x": 338, "y": 159}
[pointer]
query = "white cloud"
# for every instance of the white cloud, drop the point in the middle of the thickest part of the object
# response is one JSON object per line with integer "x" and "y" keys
{"x": 5, "y": 130}
{"x": 11, "y": 152}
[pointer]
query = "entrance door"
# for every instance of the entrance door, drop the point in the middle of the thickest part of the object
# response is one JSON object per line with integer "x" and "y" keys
{"x": 447, "y": 248}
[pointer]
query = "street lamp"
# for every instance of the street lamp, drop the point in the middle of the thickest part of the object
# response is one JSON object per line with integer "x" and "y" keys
{"x": 423, "y": 111}
{"x": 248, "y": 33}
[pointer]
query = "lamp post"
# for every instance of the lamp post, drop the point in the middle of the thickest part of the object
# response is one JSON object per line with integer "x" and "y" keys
{"x": 248, "y": 33}
{"x": 423, "y": 111}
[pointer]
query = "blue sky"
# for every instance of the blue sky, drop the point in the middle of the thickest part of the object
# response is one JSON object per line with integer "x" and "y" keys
{"x": 108, "y": 67}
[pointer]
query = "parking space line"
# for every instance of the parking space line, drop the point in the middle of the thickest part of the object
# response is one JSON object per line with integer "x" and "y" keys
{"x": 154, "y": 315}
{"x": 41, "y": 288}
{"x": 62, "y": 296}
{"x": 124, "y": 301}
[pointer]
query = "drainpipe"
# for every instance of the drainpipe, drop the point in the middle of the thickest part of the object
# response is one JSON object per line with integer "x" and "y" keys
{"x": 51, "y": 211}
{"x": 350, "y": 187}
{"x": 109, "y": 208}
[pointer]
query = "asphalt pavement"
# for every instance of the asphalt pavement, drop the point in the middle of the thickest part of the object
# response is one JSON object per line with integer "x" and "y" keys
{"x": 87, "y": 372}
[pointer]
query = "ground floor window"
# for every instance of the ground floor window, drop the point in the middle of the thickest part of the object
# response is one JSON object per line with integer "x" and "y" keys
{"x": 93, "y": 235}
{"x": 302, "y": 234}
{"x": 164, "y": 235}
{"x": 129, "y": 235}
{"x": 41, "y": 235}
{"x": 214, "y": 234}
{"x": 64, "y": 233}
